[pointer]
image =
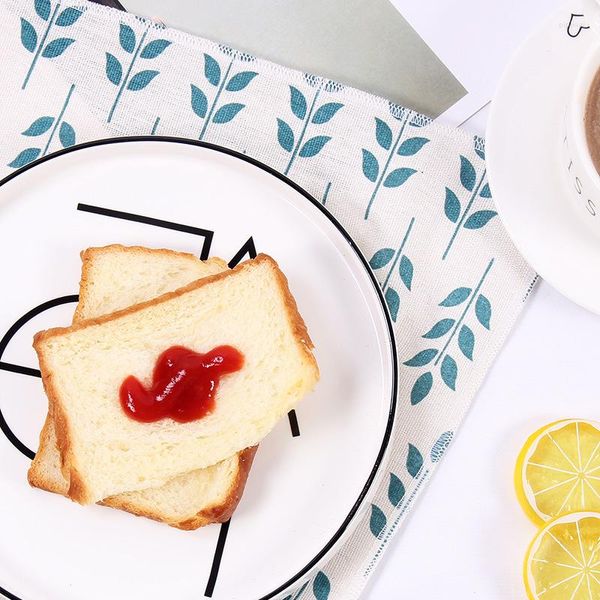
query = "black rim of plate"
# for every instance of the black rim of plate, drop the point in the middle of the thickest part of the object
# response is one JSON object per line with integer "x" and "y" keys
{"x": 393, "y": 400}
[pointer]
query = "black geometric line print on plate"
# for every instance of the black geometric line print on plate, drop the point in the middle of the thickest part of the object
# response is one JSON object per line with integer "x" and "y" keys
{"x": 22, "y": 370}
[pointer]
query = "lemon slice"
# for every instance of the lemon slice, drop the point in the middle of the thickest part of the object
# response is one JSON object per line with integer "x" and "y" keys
{"x": 563, "y": 561}
{"x": 558, "y": 470}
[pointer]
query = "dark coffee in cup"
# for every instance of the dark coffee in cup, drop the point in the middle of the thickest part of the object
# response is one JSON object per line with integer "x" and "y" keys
{"x": 592, "y": 121}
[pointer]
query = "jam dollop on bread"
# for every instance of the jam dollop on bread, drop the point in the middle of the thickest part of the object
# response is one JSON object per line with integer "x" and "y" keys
{"x": 184, "y": 385}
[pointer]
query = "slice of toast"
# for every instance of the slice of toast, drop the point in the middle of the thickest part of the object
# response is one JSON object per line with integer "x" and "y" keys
{"x": 191, "y": 500}
{"x": 105, "y": 452}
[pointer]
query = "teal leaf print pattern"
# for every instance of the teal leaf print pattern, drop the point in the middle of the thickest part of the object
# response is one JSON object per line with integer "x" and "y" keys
{"x": 25, "y": 157}
{"x": 28, "y": 36}
{"x": 392, "y": 300}
{"x": 326, "y": 112}
{"x": 42, "y": 8}
{"x": 396, "y": 490}
{"x": 41, "y": 126}
{"x": 140, "y": 80}
{"x": 479, "y": 219}
{"x": 388, "y": 256}
{"x": 377, "y": 522}
{"x": 414, "y": 461}
{"x": 478, "y": 190}
{"x": 421, "y": 388}
{"x": 485, "y": 191}
{"x": 37, "y": 44}
{"x": 321, "y": 586}
{"x": 440, "y": 446}
{"x": 66, "y": 135}
{"x": 406, "y": 271}
{"x": 326, "y": 193}
{"x": 199, "y": 102}
{"x": 380, "y": 173}
{"x": 155, "y": 48}
{"x": 114, "y": 70}
{"x": 383, "y": 134}
{"x": 466, "y": 341}
{"x": 397, "y": 177}
{"x": 227, "y": 112}
{"x": 456, "y": 297}
{"x": 298, "y": 592}
{"x": 483, "y": 311}
{"x": 479, "y": 147}
{"x": 370, "y": 166}
{"x": 212, "y": 70}
{"x": 211, "y": 111}
{"x": 298, "y": 102}
{"x": 411, "y": 146}
{"x": 467, "y": 174}
{"x": 381, "y": 258}
{"x": 440, "y": 329}
{"x": 124, "y": 78}
{"x": 313, "y": 146}
{"x": 452, "y": 206}
{"x": 308, "y": 114}
{"x": 57, "y": 47}
{"x": 127, "y": 38}
{"x": 68, "y": 16}
{"x": 155, "y": 126}
{"x": 240, "y": 81}
{"x": 285, "y": 135}
{"x": 462, "y": 298}
{"x": 449, "y": 371}
{"x": 422, "y": 358}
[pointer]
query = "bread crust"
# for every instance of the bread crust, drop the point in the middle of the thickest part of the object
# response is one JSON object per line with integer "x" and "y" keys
{"x": 77, "y": 488}
{"x": 88, "y": 256}
{"x": 295, "y": 318}
{"x": 59, "y": 418}
{"x": 290, "y": 304}
{"x": 89, "y": 253}
{"x": 35, "y": 474}
{"x": 219, "y": 513}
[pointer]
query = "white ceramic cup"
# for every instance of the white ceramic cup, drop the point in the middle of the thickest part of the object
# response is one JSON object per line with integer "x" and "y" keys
{"x": 583, "y": 178}
{"x": 591, "y": 9}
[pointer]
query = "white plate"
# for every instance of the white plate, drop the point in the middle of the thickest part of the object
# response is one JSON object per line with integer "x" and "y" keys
{"x": 304, "y": 493}
{"x": 524, "y": 143}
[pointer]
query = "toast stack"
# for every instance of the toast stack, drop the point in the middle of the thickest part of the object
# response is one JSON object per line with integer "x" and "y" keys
{"x": 134, "y": 304}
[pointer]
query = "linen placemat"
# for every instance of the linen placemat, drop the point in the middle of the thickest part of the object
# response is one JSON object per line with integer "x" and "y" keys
{"x": 413, "y": 194}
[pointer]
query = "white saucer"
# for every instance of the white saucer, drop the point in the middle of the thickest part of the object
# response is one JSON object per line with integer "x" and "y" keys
{"x": 524, "y": 139}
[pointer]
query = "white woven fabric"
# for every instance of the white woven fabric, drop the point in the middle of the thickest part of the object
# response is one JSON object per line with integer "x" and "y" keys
{"x": 413, "y": 195}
